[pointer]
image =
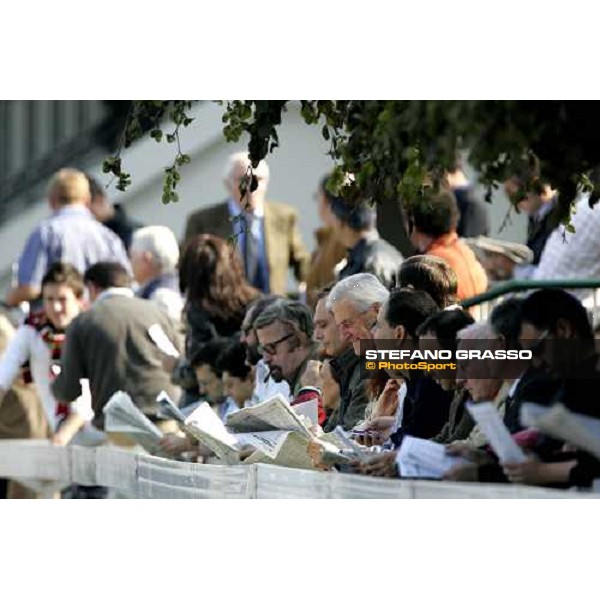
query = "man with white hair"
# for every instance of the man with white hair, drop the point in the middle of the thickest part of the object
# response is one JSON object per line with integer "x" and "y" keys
{"x": 344, "y": 365}
{"x": 355, "y": 302}
{"x": 483, "y": 385}
{"x": 154, "y": 256}
{"x": 266, "y": 233}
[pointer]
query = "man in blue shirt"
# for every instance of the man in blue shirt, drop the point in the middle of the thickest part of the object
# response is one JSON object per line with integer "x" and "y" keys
{"x": 71, "y": 234}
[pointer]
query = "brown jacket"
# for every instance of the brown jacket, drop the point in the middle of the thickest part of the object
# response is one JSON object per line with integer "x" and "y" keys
{"x": 460, "y": 422}
{"x": 329, "y": 252}
{"x": 22, "y": 415}
{"x": 283, "y": 242}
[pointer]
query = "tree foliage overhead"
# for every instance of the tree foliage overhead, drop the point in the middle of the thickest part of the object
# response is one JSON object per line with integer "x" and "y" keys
{"x": 399, "y": 150}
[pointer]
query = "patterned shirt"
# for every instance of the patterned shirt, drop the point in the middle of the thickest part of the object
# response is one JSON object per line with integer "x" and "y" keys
{"x": 573, "y": 255}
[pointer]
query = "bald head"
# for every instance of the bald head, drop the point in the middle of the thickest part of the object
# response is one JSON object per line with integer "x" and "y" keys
{"x": 69, "y": 186}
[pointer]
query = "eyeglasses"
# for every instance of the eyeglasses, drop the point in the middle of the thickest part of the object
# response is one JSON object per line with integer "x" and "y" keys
{"x": 271, "y": 348}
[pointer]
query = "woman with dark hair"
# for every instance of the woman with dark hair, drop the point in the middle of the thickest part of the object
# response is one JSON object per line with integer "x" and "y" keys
{"x": 212, "y": 281}
{"x": 216, "y": 292}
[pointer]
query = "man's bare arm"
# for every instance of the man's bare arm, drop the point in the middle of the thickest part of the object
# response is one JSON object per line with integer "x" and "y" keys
{"x": 22, "y": 293}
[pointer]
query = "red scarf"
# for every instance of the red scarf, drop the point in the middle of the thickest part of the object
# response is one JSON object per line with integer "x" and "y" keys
{"x": 54, "y": 339}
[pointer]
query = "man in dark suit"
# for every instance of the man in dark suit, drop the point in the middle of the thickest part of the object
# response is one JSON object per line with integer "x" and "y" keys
{"x": 110, "y": 345}
{"x": 266, "y": 233}
{"x": 537, "y": 202}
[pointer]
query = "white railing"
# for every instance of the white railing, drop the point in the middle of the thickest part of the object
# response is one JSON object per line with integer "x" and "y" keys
{"x": 142, "y": 476}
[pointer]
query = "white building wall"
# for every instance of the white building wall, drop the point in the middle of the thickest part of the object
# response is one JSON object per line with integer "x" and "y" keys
{"x": 296, "y": 169}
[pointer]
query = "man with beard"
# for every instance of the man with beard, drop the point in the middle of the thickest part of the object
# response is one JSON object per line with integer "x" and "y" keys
{"x": 284, "y": 332}
{"x": 265, "y": 386}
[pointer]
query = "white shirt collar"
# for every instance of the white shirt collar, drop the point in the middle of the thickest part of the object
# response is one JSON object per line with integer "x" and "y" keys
{"x": 453, "y": 307}
{"x": 235, "y": 209}
{"x": 513, "y": 387}
{"x": 114, "y": 291}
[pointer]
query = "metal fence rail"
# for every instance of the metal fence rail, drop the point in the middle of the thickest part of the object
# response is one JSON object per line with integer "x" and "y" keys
{"x": 483, "y": 304}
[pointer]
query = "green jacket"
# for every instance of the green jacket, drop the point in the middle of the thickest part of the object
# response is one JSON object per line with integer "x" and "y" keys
{"x": 353, "y": 398}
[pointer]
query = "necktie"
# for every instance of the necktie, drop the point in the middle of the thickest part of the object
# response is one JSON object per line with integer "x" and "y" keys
{"x": 251, "y": 250}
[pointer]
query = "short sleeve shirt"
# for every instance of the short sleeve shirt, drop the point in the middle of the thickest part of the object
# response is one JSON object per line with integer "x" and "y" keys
{"x": 71, "y": 235}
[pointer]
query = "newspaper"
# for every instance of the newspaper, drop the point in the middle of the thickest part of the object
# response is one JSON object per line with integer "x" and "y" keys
{"x": 274, "y": 414}
{"x": 269, "y": 426}
{"x": 206, "y": 426}
{"x": 293, "y": 453}
{"x": 268, "y": 442}
{"x": 309, "y": 409}
{"x": 493, "y": 428}
{"x": 266, "y": 427}
{"x": 159, "y": 337}
{"x": 339, "y": 441}
{"x": 424, "y": 459}
{"x": 168, "y": 408}
{"x": 559, "y": 422}
{"x": 121, "y": 415}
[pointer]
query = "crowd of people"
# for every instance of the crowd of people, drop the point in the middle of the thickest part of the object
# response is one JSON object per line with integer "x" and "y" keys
{"x": 96, "y": 282}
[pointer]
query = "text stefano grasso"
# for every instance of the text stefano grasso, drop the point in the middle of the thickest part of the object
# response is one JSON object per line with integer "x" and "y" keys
{"x": 448, "y": 355}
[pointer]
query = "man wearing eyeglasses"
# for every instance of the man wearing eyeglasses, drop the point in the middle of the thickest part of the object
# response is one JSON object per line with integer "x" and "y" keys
{"x": 265, "y": 386}
{"x": 267, "y": 233}
{"x": 284, "y": 332}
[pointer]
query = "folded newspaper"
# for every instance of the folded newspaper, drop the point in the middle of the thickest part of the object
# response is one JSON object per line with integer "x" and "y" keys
{"x": 340, "y": 448}
{"x": 293, "y": 453}
{"x": 559, "y": 422}
{"x": 168, "y": 409}
{"x": 206, "y": 426}
{"x": 121, "y": 415}
{"x": 266, "y": 427}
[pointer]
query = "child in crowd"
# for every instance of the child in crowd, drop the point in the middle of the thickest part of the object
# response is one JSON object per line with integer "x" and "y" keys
{"x": 36, "y": 349}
